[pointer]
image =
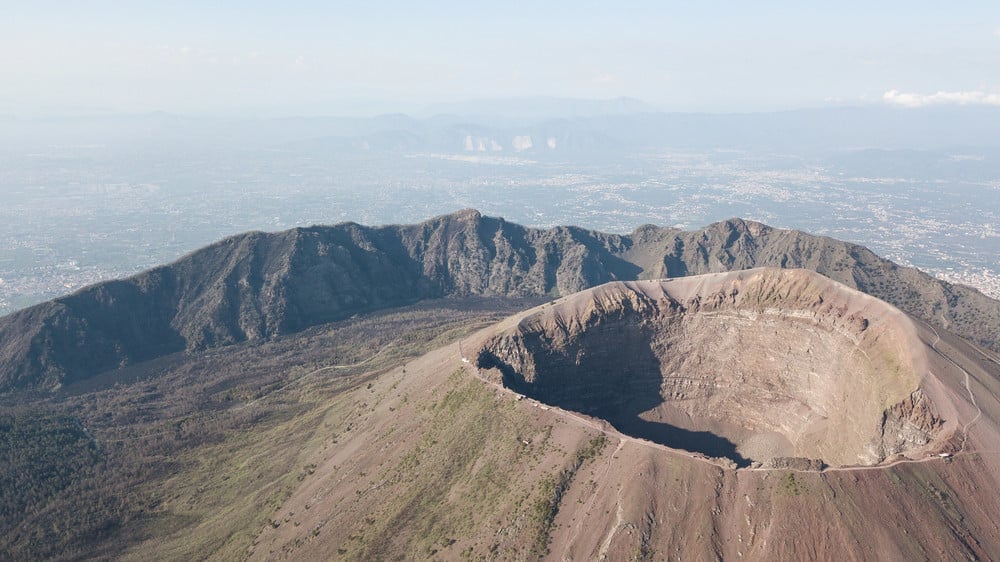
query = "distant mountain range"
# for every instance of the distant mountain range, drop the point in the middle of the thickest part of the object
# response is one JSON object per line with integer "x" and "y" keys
{"x": 573, "y": 125}
{"x": 256, "y": 286}
{"x": 541, "y": 108}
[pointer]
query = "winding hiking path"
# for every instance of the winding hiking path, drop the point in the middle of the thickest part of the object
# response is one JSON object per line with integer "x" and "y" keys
{"x": 967, "y": 384}
{"x": 299, "y": 379}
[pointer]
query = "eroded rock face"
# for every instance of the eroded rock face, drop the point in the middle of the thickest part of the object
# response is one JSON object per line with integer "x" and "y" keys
{"x": 752, "y": 366}
{"x": 256, "y": 286}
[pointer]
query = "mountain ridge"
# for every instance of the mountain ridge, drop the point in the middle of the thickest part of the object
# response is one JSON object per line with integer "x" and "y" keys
{"x": 256, "y": 286}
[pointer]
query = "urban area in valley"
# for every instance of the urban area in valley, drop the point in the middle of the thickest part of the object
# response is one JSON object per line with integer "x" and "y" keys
{"x": 73, "y": 215}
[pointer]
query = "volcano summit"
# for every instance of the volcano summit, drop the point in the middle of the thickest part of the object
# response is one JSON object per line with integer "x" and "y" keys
{"x": 758, "y": 366}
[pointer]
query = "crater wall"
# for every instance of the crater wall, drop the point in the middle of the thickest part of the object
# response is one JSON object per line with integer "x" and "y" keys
{"x": 756, "y": 366}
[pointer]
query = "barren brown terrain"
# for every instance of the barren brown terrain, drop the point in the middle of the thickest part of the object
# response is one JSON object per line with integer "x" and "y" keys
{"x": 754, "y": 366}
{"x": 549, "y": 435}
{"x": 469, "y": 389}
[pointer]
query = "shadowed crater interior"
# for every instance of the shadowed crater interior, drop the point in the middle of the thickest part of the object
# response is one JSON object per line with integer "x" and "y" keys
{"x": 774, "y": 367}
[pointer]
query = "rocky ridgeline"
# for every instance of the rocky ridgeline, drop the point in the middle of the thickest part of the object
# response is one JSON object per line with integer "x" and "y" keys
{"x": 255, "y": 286}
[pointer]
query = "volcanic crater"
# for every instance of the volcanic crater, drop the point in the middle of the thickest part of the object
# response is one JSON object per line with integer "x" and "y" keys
{"x": 756, "y": 368}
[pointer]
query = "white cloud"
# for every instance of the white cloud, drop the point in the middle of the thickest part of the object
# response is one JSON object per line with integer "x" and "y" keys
{"x": 895, "y": 97}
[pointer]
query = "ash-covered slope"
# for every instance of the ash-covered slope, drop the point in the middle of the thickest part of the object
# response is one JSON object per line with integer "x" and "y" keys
{"x": 254, "y": 286}
{"x": 761, "y": 366}
{"x": 438, "y": 463}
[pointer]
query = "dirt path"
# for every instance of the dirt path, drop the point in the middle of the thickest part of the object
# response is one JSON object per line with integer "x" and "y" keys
{"x": 590, "y": 503}
{"x": 297, "y": 380}
{"x": 602, "y": 554}
{"x": 985, "y": 355}
{"x": 968, "y": 387}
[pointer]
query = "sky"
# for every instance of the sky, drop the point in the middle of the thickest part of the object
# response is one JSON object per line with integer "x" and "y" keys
{"x": 353, "y": 58}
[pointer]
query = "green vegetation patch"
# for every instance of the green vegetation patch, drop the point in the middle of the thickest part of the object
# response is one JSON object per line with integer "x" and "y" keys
{"x": 791, "y": 486}
{"x": 552, "y": 489}
{"x": 41, "y": 457}
{"x": 189, "y": 458}
{"x": 452, "y": 480}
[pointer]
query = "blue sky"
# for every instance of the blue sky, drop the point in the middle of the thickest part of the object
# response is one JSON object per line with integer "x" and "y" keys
{"x": 363, "y": 57}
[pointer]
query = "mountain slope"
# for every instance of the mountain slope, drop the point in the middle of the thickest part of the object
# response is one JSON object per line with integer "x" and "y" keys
{"x": 254, "y": 286}
{"x": 534, "y": 476}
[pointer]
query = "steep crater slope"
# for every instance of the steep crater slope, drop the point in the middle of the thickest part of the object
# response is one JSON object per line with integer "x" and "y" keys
{"x": 763, "y": 366}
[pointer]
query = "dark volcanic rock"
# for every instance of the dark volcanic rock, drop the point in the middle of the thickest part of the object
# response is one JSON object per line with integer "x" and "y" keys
{"x": 255, "y": 286}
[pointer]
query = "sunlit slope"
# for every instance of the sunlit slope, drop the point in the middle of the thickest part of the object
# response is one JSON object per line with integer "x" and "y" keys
{"x": 779, "y": 363}
{"x": 448, "y": 463}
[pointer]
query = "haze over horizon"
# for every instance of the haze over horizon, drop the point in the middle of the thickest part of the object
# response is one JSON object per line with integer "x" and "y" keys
{"x": 309, "y": 59}
{"x": 133, "y": 133}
